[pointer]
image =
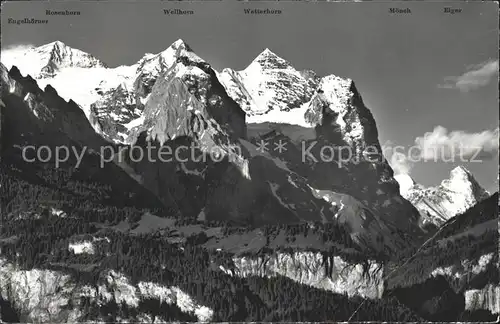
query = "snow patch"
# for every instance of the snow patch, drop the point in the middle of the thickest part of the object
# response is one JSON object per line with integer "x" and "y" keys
{"x": 81, "y": 247}
{"x": 188, "y": 305}
{"x": 57, "y": 212}
{"x": 274, "y": 189}
{"x": 405, "y": 183}
{"x": 154, "y": 290}
{"x": 202, "y": 216}
{"x": 135, "y": 122}
{"x": 292, "y": 117}
{"x": 191, "y": 172}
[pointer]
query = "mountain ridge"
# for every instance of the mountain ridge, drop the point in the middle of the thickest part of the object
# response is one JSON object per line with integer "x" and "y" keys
{"x": 46, "y": 60}
{"x": 121, "y": 116}
{"x": 451, "y": 197}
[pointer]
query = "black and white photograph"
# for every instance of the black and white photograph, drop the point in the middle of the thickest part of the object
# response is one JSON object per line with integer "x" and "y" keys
{"x": 249, "y": 161}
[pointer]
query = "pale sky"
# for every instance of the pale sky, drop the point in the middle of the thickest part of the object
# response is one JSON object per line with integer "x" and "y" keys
{"x": 424, "y": 72}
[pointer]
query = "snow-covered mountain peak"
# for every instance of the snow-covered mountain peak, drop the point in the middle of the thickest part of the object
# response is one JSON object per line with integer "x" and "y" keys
{"x": 47, "y": 60}
{"x": 461, "y": 180}
{"x": 57, "y": 45}
{"x": 453, "y": 196}
{"x": 460, "y": 172}
{"x": 106, "y": 95}
{"x": 60, "y": 55}
{"x": 267, "y": 51}
{"x": 153, "y": 64}
{"x": 180, "y": 43}
{"x": 269, "y": 86}
{"x": 265, "y": 54}
{"x": 181, "y": 48}
{"x": 269, "y": 60}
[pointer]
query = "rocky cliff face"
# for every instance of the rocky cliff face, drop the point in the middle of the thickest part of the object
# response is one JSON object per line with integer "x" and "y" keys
{"x": 316, "y": 270}
{"x": 452, "y": 197}
{"x": 487, "y": 298}
{"x": 188, "y": 100}
{"x": 50, "y": 296}
{"x": 47, "y": 111}
{"x": 120, "y": 109}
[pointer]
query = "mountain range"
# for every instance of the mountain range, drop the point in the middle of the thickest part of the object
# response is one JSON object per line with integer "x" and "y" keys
{"x": 280, "y": 205}
{"x": 188, "y": 102}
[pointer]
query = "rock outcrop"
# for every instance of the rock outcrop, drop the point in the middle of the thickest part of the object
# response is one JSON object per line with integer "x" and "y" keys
{"x": 40, "y": 295}
{"x": 317, "y": 270}
{"x": 487, "y": 298}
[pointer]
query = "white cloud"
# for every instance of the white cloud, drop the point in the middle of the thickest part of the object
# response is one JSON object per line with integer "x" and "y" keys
{"x": 10, "y": 54}
{"x": 397, "y": 158}
{"x": 477, "y": 76}
{"x": 440, "y": 145}
{"x": 400, "y": 163}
